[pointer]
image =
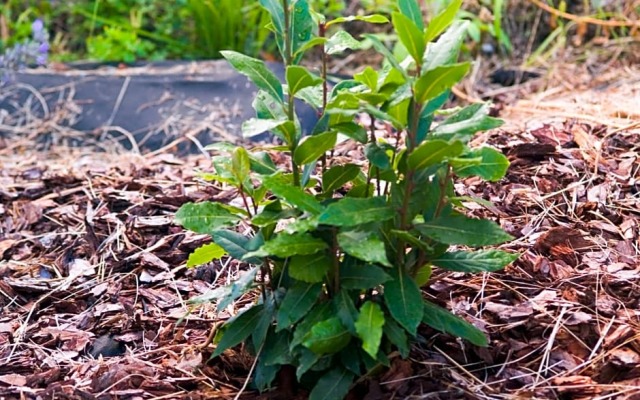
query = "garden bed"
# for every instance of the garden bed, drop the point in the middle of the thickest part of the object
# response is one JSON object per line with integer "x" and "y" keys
{"x": 94, "y": 290}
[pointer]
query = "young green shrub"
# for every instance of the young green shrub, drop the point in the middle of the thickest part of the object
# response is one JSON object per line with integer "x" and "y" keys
{"x": 338, "y": 252}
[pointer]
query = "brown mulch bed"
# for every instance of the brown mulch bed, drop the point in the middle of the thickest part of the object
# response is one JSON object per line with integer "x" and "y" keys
{"x": 94, "y": 290}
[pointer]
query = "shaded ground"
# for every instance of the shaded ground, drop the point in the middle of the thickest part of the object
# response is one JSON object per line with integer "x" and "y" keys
{"x": 92, "y": 266}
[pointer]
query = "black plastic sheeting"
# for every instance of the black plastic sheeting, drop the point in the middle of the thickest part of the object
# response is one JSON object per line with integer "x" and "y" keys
{"x": 154, "y": 104}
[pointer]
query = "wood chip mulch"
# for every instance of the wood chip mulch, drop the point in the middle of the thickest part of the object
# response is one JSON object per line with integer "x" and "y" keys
{"x": 94, "y": 290}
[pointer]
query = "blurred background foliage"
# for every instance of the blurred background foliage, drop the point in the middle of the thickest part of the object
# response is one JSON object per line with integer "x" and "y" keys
{"x": 132, "y": 30}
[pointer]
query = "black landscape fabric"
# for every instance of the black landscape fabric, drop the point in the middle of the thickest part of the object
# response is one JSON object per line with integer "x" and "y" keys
{"x": 154, "y": 104}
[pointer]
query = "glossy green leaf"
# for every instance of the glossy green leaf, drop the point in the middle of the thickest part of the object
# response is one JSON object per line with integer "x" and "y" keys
{"x": 435, "y": 81}
{"x": 238, "y": 329}
{"x": 269, "y": 107}
{"x": 443, "y": 320}
{"x": 240, "y": 163}
{"x": 327, "y": 337}
{"x": 298, "y": 300}
{"x": 204, "y": 254}
{"x": 404, "y": 300}
{"x": 466, "y": 122}
{"x": 319, "y": 312}
{"x": 335, "y": 177}
{"x": 372, "y": 19}
{"x": 410, "y": 35}
{"x": 382, "y": 49}
{"x": 433, "y": 152}
{"x": 254, "y": 126}
{"x": 368, "y": 77}
{"x": 301, "y": 25}
{"x": 256, "y": 71}
{"x": 445, "y": 50}
{"x": 313, "y": 42}
{"x": 459, "y": 229}
{"x": 313, "y": 147}
{"x": 311, "y": 268}
{"x": 477, "y": 261}
{"x": 377, "y": 156}
{"x": 423, "y": 274}
{"x": 234, "y": 243}
{"x": 369, "y": 327}
{"x": 352, "y": 130}
{"x": 341, "y": 41}
{"x": 226, "y": 295}
{"x": 441, "y": 21}
{"x": 299, "y": 78}
{"x": 262, "y": 163}
{"x": 362, "y": 277}
{"x": 492, "y": 168}
{"x": 353, "y": 211}
{"x": 397, "y": 336}
{"x": 287, "y": 245}
{"x": 283, "y": 189}
{"x": 366, "y": 246}
{"x": 346, "y": 310}
{"x": 411, "y": 9}
{"x": 274, "y": 7}
{"x": 204, "y": 217}
{"x": 276, "y": 348}
{"x": 333, "y": 385}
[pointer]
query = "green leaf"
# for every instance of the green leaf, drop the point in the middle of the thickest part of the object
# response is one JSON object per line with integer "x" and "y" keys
{"x": 362, "y": 277}
{"x": 254, "y": 126}
{"x": 327, "y": 337}
{"x": 442, "y": 320}
{"x": 299, "y": 78}
{"x": 333, "y": 385}
{"x": 442, "y": 20}
{"x": 365, "y": 246}
{"x": 276, "y": 348}
{"x": 299, "y": 299}
{"x": 435, "y": 81}
{"x": 319, "y": 312}
{"x": 335, "y": 177}
{"x": 225, "y": 295}
{"x": 477, "y": 261}
{"x": 354, "y": 211}
{"x": 492, "y": 168}
{"x": 240, "y": 164}
{"x": 265, "y": 374}
{"x": 297, "y": 197}
{"x": 262, "y": 163}
{"x": 397, "y": 336}
{"x": 369, "y": 327}
{"x": 274, "y": 7}
{"x": 423, "y": 275}
{"x": 411, "y": 9}
{"x": 372, "y": 19}
{"x": 410, "y": 36}
{"x": 377, "y": 156}
{"x": 238, "y": 329}
{"x": 316, "y": 41}
{"x": 382, "y": 49}
{"x": 306, "y": 360}
{"x": 445, "y": 50}
{"x": 352, "y": 130}
{"x": 368, "y": 77}
{"x": 466, "y": 122}
{"x": 268, "y": 107}
{"x": 235, "y": 244}
{"x": 301, "y": 25}
{"x": 459, "y": 229}
{"x": 204, "y": 217}
{"x": 313, "y": 147}
{"x": 261, "y": 329}
{"x": 341, "y": 41}
{"x": 433, "y": 152}
{"x": 257, "y": 71}
{"x": 204, "y": 254}
{"x": 286, "y": 245}
{"x": 311, "y": 268}
{"x": 404, "y": 300}
{"x": 346, "y": 310}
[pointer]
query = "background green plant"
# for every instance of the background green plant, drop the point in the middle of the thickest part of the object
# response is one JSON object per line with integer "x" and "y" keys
{"x": 338, "y": 252}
